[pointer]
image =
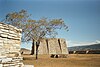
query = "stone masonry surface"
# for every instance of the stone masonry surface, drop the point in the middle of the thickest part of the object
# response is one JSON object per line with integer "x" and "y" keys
{"x": 10, "y": 39}
{"x": 52, "y": 46}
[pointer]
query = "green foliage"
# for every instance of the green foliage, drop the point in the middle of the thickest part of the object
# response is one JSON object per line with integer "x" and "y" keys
{"x": 17, "y": 19}
{"x": 35, "y": 29}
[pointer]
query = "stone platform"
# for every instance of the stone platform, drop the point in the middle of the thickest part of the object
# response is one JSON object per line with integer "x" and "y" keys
{"x": 11, "y": 61}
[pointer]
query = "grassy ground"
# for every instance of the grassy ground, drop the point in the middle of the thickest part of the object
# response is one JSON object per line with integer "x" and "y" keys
{"x": 75, "y": 60}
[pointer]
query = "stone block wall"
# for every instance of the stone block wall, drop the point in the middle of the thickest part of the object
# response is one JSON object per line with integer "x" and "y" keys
{"x": 52, "y": 46}
{"x": 10, "y": 39}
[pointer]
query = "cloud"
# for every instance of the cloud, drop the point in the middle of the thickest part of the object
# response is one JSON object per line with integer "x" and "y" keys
{"x": 76, "y": 43}
{"x": 98, "y": 41}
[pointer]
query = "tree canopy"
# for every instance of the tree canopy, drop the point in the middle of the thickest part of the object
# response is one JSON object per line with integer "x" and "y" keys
{"x": 34, "y": 29}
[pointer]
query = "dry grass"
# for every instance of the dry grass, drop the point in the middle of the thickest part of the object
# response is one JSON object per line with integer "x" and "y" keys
{"x": 75, "y": 60}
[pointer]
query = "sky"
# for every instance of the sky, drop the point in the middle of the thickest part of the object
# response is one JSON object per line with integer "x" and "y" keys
{"x": 81, "y": 16}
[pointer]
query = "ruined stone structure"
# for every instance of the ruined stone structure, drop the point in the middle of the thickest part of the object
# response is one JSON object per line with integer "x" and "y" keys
{"x": 85, "y": 52}
{"x": 10, "y": 39}
{"x": 52, "y": 46}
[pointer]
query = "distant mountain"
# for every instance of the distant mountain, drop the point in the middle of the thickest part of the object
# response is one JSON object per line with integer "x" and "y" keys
{"x": 87, "y": 47}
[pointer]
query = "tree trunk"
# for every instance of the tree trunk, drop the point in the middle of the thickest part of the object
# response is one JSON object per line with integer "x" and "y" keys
{"x": 37, "y": 45}
{"x": 33, "y": 48}
{"x": 37, "y": 51}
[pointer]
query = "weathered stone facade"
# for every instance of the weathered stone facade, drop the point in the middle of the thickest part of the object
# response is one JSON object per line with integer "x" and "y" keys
{"x": 52, "y": 46}
{"x": 10, "y": 39}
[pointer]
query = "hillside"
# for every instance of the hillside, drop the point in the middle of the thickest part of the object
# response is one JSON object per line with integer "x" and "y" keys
{"x": 87, "y": 47}
{"x": 25, "y": 51}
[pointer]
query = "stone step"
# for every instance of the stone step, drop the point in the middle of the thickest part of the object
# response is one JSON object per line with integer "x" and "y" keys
{"x": 28, "y": 65}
